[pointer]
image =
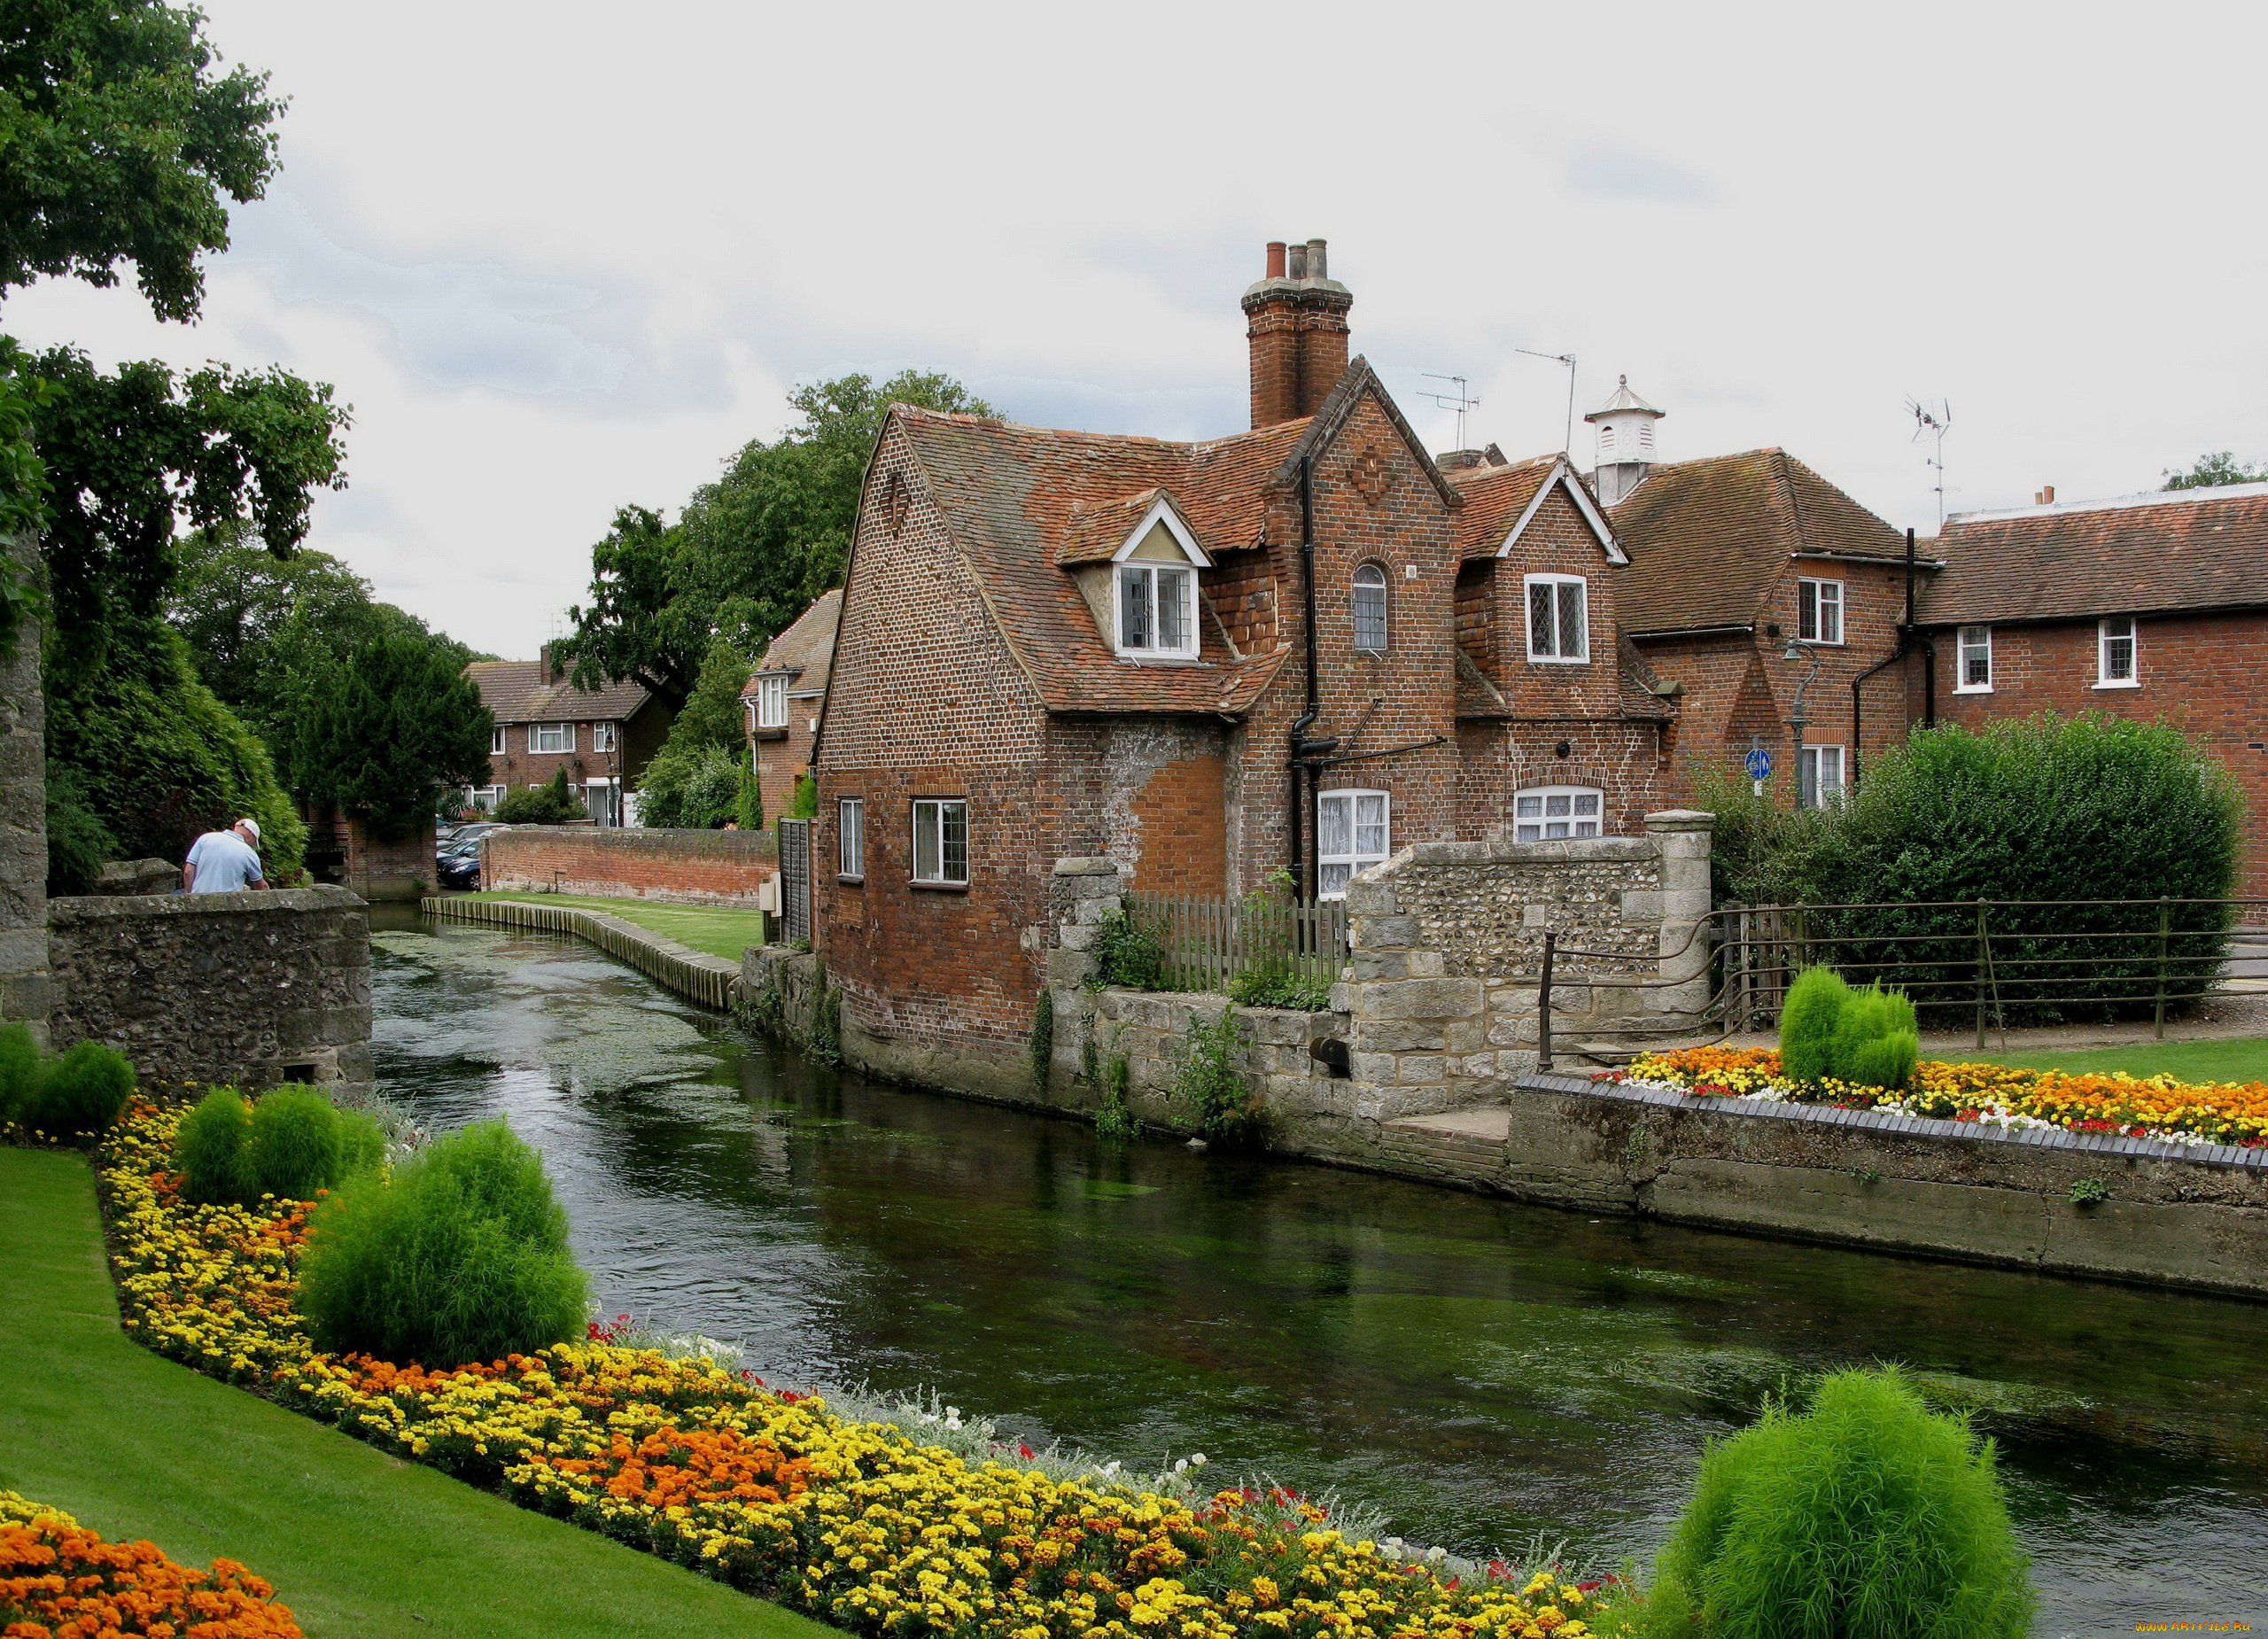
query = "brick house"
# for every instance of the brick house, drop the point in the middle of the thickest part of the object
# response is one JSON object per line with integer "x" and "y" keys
{"x": 2151, "y": 606}
{"x": 1297, "y": 648}
{"x": 783, "y": 698}
{"x": 604, "y": 737}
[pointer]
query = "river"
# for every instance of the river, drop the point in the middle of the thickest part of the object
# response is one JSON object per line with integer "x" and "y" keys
{"x": 1483, "y": 1371}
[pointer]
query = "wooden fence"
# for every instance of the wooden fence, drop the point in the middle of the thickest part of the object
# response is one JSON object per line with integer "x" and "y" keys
{"x": 694, "y": 975}
{"x": 1209, "y": 942}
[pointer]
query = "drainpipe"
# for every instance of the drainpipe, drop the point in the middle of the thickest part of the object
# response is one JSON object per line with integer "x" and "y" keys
{"x": 1300, "y": 743}
{"x": 1905, "y": 645}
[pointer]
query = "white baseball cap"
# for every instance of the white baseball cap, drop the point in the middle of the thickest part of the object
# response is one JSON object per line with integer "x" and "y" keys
{"x": 250, "y": 825}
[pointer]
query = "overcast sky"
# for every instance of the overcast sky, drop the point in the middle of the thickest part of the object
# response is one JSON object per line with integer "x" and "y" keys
{"x": 565, "y": 257}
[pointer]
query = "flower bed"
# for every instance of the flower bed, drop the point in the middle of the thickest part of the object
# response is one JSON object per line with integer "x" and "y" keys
{"x": 2157, "y": 1107}
{"x": 858, "y": 1523}
{"x": 58, "y": 1581}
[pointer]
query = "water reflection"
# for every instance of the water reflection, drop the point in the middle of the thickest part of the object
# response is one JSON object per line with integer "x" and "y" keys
{"x": 1482, "y": 1369}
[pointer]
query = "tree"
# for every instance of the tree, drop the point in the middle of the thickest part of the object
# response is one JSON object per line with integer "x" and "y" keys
{"x": 694, "y": 780}
{"x": 2221, "y": 467}
{"x": 386, "y": 729}
{"x": 750, "y": 550}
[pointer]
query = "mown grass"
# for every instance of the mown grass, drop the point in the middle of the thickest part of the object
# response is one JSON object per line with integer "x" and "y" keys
{"x": 2239, "y": 1061}
{"x": 357, "y": 1542}
{"x": 719, "y": 930}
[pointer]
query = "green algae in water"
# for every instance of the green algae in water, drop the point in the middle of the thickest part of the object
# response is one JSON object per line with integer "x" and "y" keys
{"x": 1110, "y": 1189}
{"x": 1678, "y": 1281}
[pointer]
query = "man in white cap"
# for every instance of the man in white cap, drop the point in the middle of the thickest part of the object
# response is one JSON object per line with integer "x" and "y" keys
{"x": 221, "y": 862}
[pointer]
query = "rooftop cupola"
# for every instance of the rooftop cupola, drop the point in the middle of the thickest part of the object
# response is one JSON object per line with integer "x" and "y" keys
{"x": 1625, "y": 441}
{"x": 1297, "y": 329}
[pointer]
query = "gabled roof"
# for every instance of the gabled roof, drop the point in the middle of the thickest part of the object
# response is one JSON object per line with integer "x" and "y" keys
{"x": 1500, "y": 502}
{"x": 2183, "y": 550}
{"x": 1332, "y": 415}
{"x": 806, "y": 649}
{"x": 518, "y": 691}
{"x": 1709, "y": 539}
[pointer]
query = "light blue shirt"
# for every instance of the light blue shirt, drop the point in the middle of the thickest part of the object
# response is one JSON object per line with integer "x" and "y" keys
{"x": 224, "y": 861}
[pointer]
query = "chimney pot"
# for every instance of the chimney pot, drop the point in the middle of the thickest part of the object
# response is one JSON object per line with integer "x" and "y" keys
{"x": 1299, "y": 263}
{"x": 1275, "y": 259}
{"x": 1316, "y": 260}
{"x": 2047, "y": 496}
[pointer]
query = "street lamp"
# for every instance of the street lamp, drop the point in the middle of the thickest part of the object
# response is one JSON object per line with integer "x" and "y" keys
{"x": 1796, "y": 650}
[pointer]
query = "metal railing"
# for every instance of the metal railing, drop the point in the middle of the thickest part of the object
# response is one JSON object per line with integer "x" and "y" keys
{"x": 1208, "y": 941}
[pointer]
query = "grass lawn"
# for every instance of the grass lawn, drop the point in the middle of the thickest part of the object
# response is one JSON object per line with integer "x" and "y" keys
{"x": 719, "y": 930}
{"x": 357, "y": 1542}
{"x": 2239, "y": 1061}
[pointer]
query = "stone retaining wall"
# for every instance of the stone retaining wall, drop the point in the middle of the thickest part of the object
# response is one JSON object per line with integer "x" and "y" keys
{"x": 682, "y": 867}
{"x": 249, "y": 988}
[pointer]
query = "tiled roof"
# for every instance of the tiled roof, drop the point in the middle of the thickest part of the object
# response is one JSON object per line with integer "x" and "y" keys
{"x": 2187, "y": 549}
{"x": 1495, "y": 497}
{"x": 806, "y": 647}
{"x": 1640, "y": 688}
{"x": 1708, "y": 539}
{"x": 1015, "y": 498}
{"x": 517, "y": 691}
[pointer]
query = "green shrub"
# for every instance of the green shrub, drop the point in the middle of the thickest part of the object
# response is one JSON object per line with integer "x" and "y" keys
{"x": 1808, "y": 1020}
{"x": 82, "y": 1091}
{"x": 209, "y": 1148}
{"x": 19, "y": 1070}
{"x": 541, "y": 804}
{"x": 1279, "y": 986}
{"x": 460, "y": 1256}
{"x": 1865, "y": 1516}
{"x": 1128, "y": 953}
{"x": 1877, "y": 1041}
{"x": 1043, "y": 1039}
{"x": 1210, "y": 1083}
{"x": 1114, "y": 1122}
{"x": 803, "y": 802}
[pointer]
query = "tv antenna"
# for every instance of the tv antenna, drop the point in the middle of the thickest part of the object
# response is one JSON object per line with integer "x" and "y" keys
{"x": 1567, "y": 445}
{"x": 1459, "y": 401}
{"x": 1933, "y": 423}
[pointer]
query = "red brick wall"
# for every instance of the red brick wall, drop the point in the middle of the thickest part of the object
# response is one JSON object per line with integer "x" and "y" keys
{"x": 1630, "y": 764}
{"x": 782, "y": 758}
{"x": 1182, "y": 810}
{"x": 689, "y": 867}
{"x": 2201, "y": 672}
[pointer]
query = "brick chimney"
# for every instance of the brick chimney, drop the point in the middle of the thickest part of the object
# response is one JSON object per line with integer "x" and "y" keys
{"x": 1297, "y": 328}
{"x": 2046, "y": 497}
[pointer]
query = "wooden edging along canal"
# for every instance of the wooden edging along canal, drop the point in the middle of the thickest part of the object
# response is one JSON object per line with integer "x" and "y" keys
{"x": 697, "y": 975}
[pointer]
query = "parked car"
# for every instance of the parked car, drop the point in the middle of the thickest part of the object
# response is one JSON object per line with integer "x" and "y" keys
{"x": 456, "y": 862}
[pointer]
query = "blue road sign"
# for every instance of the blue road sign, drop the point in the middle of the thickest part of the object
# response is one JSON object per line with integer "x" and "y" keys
{"x": 1760, "y": 764}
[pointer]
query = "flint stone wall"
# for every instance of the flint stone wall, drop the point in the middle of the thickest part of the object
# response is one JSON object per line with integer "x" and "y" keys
{"x": 25, "y": 986}
{"x": 253, "y": 989}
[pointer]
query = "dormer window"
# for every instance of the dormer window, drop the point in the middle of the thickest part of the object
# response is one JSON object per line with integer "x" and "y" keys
{"x": 1558, "y": 620}
{"x": 1157, "y": 611}
{"x": 772, "y": 701}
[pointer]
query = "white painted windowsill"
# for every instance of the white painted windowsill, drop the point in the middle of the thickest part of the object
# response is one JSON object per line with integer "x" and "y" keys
{"x": 2130, "y": 682}
{"x": 1972, "y": 689}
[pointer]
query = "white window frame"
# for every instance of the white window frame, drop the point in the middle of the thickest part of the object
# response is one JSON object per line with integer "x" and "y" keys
{"x": 1559, "y": 584}
{"x": 1354, "y": 857}
{"x": 1817, "y": 760}
{"x": 2104, "y": 637}
{"x": 1571, "y": 821}
{"x": 771, "y": 701}
{"x": 604, "y": 737}
{"x": 1968, "y": 641}
{"x": 484, "y": 797}
{"x": 565, "y": 731}
{"x": 1370, "y": 577}
{"x": 1151, "y": 574}
{"x": 1827, "y": 597}
{"x": 496, "y": 745}
{"x": 938, "y": 815}
{"x": 850, "y": 838}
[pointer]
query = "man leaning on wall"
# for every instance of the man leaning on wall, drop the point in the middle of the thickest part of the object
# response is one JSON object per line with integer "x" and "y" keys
{"x": 222, "y": 862}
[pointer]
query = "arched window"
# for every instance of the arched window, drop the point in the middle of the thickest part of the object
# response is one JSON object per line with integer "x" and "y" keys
{"x": 1544, "y": 813}
{"x": 1370, "y": 608}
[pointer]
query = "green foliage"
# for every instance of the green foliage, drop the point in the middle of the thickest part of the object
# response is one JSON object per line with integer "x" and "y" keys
{"x": 2221, "y": 467}
{"x": 1210, "y": 1083}
{"x": 460, "y": 1256}
{"x": 79, "y": 844}
{"x": 1043, "y": 1039}
{"x": 2086, "y": 1192}
{"x": 299, "y": 1142}
{"x": 209, "y": 1148}
{"x": 1272, "y": 976}
{"x": 380, "y": 731}
{"x": 19, "y": 1070}
{"x": 1876, "y": 1040}
{"x": 803, "y": 802}
{"x": 695, "y": 779}
{"x": 81, "y": 1091}
{"x": 1760, "y": 853}
{"x": 1865, "y": 1516}
{"x": 1809, "y": 1020}
{"x": 1114, "y": 1122}
{"x": 1278, "y": 986}
{"x": 825, "y": 1044}
{"x": 1129, "y": 954}
{"x": 748, "y": 800}
{"x": 23, "y": 501}
{"x": 751, "y": 550}
{"x": 550, "y": 804}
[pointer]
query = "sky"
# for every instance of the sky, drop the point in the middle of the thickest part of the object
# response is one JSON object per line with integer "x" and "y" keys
{"x": 560, "y": 258}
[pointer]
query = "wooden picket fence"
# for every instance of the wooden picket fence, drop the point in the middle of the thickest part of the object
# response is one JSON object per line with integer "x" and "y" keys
{"x": 1209, "y": 941}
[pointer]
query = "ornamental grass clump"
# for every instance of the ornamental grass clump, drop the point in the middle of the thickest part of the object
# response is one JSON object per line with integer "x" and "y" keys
{"x": 81, "y": 1093}
{"x": 1865, "y": 1516}
{"x": 1877, "y": 1040}
{"x": 1808, "y": 1020}
{"x": 294, "y": 1144}
{"x": 459, "y": 1257}
{"x": 209, "y": 1148}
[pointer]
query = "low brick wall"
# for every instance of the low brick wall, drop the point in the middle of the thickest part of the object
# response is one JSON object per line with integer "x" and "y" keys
{"x": 250, "y": 988}
{"x": 683, "y": 867}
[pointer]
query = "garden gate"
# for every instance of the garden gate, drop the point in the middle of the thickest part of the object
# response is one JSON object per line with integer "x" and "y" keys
{"x": 796, "y": 882}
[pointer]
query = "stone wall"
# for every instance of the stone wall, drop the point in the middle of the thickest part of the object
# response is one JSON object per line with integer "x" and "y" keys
{"x": 683, "y": 868}
{"x": 250, "y": 988}
{"x": 24, "y": 985}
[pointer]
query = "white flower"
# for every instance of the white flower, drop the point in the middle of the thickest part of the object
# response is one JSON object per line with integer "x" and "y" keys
{"x": 1437, "y": 1553}
{"x": 1181, "y": 1466}
{"x": 1197, "y": 1459}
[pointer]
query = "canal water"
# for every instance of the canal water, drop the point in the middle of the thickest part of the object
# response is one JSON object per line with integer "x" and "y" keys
{"x": 1483, "y": 1371}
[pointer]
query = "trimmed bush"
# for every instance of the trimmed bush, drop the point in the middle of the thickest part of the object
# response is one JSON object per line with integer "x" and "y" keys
{"x": 82, "y": 1091}
{"x": 460, "y": 1256}
{"x": 299, "y": 1142}
{"x": 1876, "y": 1040}
{"x": 1808, "y": 1020}
{"x": 209, "y": 1148}
{"x": 19, "y": 1070}
{"x": 1866, "y": 1516}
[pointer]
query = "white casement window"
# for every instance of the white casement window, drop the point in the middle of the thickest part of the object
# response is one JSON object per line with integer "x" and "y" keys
{"x": 941, "y": 841}
{"x": 551, "y": 737}
{"x": 1558, "y": 618}
{"x": 1545, "y": 812}
{"x": 496, "y": 741}
{"x": 2114, "y": 649}
{"x": 772, "y": 701}
{"x": 1819, "y": 781}
{"x": 1819, "y": 611}
{"x": 1975, "y": 674}
{"x": 851, "y": 837}
{"x": 1370, "y": 608}
{"x": 1157, "y": 611}
{"x": 1352, "y": 833}
{"x": 604, "y": 737}
{"x": 485, "y": 797}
